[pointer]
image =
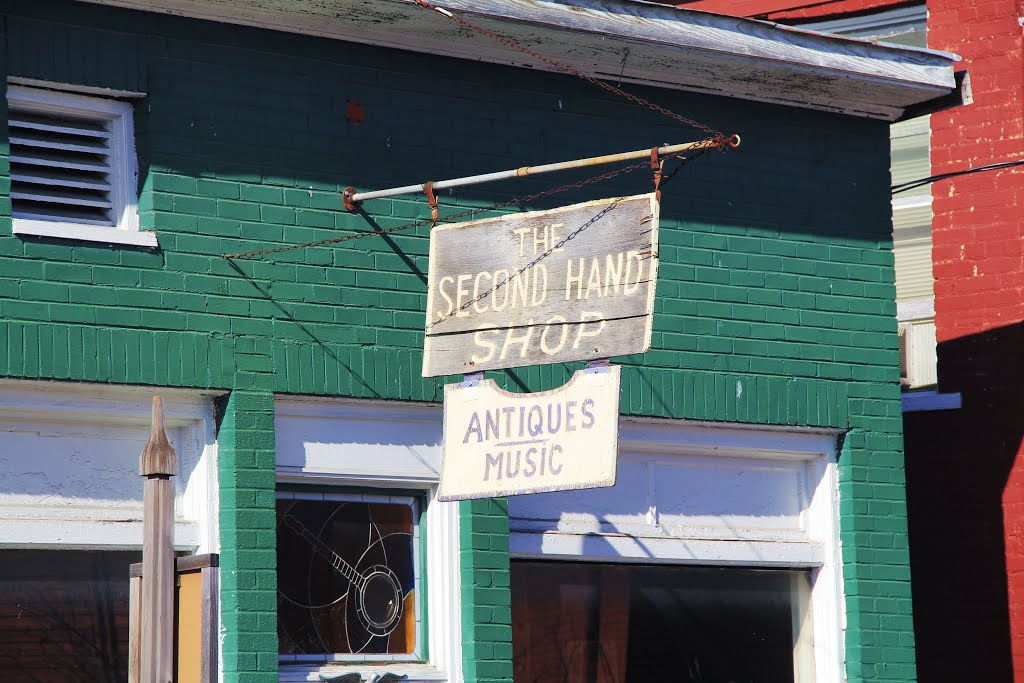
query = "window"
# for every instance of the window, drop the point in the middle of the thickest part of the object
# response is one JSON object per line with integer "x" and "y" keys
{"x": 368, "y": 560}
{"x": 348, "y": 574}
{"x": 71, "y": 503}
{"x": 73, "y": 167}
{"x": 578, "y": 622}
{"x": 912, "y": 210}
{"x": 64, "y": 606}
{"x": 714, "y": 557}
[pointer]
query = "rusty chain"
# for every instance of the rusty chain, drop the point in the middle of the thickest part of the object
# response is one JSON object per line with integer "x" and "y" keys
{"x": 461, "y": 214}
{"x": 718, "y": 136}
{"x": 717, "y": 140}
{"x": 504, "y": 283}
{"x": 683, "y": 161}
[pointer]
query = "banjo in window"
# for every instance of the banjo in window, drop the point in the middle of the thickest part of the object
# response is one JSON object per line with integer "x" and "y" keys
{"x": 346, "y": 577}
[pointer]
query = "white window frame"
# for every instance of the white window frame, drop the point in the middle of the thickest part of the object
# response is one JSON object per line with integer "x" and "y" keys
{"x": 123, "y": 162}
{"x": 817, "y": 548}
{"x": 387, "y": 445}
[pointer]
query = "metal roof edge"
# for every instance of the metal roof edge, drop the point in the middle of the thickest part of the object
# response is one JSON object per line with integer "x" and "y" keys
{"x": 667, "y": 47}
{"x": 657, "y": 24}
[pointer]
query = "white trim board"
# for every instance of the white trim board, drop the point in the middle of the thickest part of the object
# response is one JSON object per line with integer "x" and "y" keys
{"x": 918, "y": 309}
{"x": 72, "y": 88}
{"x": 631, "y": 42}
{"x": 85, "y": 233}
{"x": 876, "y": 23}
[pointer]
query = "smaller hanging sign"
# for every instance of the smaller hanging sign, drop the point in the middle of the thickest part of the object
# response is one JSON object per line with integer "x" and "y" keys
{"x": 497, "y": 443}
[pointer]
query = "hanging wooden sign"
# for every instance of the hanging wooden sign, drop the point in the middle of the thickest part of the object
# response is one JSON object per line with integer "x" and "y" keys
{"x": 497, "y": 443}
{"x": 574, "y": 283}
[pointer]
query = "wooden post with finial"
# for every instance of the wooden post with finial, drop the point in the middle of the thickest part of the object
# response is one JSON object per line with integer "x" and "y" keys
{"x": 158, "y": 463}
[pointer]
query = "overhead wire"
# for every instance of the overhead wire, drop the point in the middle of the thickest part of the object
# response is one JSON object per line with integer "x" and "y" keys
{"x": 914, "y": 184}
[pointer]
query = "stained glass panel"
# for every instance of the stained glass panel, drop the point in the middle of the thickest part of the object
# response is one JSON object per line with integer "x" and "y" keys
{"x": 346, "y": 576}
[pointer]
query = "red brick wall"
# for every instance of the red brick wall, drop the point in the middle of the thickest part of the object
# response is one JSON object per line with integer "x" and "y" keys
{"x": 979, "y": 253}
{"x": 979, "y": 280}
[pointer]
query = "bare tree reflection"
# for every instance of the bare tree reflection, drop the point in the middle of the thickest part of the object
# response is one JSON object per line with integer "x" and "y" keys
{"x": 64, "y": 616}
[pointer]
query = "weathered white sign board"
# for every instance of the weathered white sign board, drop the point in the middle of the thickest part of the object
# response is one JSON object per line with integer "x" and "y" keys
{"x": 497, "y": 443}
{"x": 574, "y": 283}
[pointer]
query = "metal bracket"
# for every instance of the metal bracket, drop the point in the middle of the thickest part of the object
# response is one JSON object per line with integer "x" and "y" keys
{"x": 346, "y": 199}
{"x": 471, "y": 379}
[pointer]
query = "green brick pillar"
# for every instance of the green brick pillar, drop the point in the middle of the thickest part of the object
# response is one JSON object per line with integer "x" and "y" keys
{"x": 248, "y": 560}
{"x": 873, "y": 533}
{"x": 486, "y": 600}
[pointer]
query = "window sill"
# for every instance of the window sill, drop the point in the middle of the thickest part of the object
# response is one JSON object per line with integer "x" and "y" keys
{"x": 85, "y": 233}
{"x": 417, "y": 673}
{"x": 917, "y": 401}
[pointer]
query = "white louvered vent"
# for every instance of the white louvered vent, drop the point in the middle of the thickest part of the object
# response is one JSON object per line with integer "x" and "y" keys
{"x": 60, "y": 168}
{"x": 73, "y": 171}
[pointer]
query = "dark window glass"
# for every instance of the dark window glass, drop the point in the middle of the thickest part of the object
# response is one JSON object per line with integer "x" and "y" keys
{"x": 64, "y": 615}
{"x": 588, "y": 622}
{"x": 345, "y": 577}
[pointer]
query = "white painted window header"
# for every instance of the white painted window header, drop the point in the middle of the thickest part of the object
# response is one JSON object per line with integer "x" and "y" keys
{"x": 69, "y": 465}
{"x": 395, "y": 443}
{"x": 73, "y": 169}
{"x": 694, "y": 493}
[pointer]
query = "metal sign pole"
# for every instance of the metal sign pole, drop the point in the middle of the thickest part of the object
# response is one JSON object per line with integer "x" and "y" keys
{"x": 351, "y": 197}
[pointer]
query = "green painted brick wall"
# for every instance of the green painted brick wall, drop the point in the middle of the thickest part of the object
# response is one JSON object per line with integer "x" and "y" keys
{"x": 775, "y": 302}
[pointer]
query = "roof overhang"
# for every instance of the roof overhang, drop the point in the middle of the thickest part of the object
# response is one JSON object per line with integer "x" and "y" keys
{"x": 635, "y": 42}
